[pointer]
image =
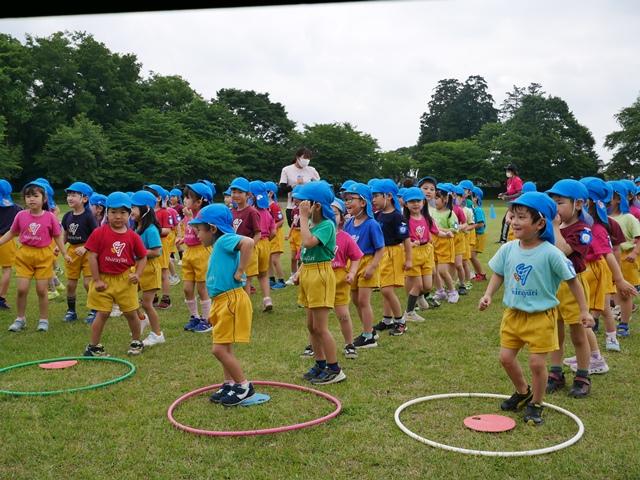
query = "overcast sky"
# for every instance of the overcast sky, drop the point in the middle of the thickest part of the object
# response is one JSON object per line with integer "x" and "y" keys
{"x": 375, "y": 64}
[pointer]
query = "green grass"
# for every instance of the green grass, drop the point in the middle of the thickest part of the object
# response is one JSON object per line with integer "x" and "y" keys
{"x": 122, "y": 432}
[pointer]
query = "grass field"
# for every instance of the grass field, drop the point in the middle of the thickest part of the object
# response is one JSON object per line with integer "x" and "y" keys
{"x": 122, "y": 432}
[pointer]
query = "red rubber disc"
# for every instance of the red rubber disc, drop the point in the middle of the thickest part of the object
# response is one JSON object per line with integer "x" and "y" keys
{"x": 58, "y": 365}
{"x": 489, "y": 423}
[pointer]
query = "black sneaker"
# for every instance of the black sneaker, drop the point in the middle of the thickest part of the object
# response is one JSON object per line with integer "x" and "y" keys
{"x": 580, "y": 388}
{"x": 381, "y": 326}
{"x": 433, "y": 303}
{"x": 362, "y": 342}
{"x": 313, "y": 372}
{"x": 350, "y": 351}
{"x": 555, "y": 382}
{"x": 517, "y": 401}
{"x": 307, "y": 352}
{"x": 533, "y": 415}
{"x": 135, "y": 347}
{"x": 462, "y": 290}
{"x": 328, "y": 376}
{"x": 221, "y": 392}
{"x": 95, "y": 351}
{"x": 237, "y": 395}
{"x": 398, "y": 329}
{"x": 376, "y": 335}
{"x": 596, "y": 326}
{"x": 3, "y": 304}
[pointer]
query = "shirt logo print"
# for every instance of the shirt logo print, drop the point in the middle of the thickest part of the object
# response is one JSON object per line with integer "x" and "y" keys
{"x": 522, "y": 273}
{"x": 236, "y": 223}
{"x": 73, "y": 228}
{"x": 420, "y": 231}
{"x": 33, "y": 228}
{"x": 117, "y": 248}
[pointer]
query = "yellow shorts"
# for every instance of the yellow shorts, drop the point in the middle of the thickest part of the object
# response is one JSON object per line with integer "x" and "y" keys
{"x": 79, "y": 265}
{"x": 392, "y": 266}
{"x": 467, "y": 246}
{"x": 629, "y": 270}
{"x": 34, "y": 262}
{"x": 231, "y": 316}
{"x": 444, "y": 250}
{"x": 472, "y": 238}
{"x": 317, "y": 285}
{"x": 343, "y": 289}
{"x": 510, "y": 234}
{"x": 598, "y": 277}
{"x": 481, "y": 239}
{"x": 151, "y": 278}
{"x": 360, "y": 281}
{"x": 295, "y": 242}
{"x": 539, "y": 330}
{"x": 421, "y": 261}
{"x": 458, "y": 241}
{"x": 568, "y": 309}
{"x": 259, "y": 261}
{"x": 119, "y": 291}
{"x": 277, "y": 242}
{"x": 165, "y": 255}
{"x": 195, "y": 262}
{"x": 8, "y": 254}
{"x": 171, "y": 241}
{"x": 610, "y": 288}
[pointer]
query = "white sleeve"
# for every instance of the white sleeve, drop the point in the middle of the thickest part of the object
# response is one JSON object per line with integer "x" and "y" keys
{"x": 316, "y": 175}
{"x": 284, "y": 178}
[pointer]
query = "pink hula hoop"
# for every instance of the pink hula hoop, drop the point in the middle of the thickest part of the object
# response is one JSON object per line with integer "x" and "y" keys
{"x": 264, "y": 431}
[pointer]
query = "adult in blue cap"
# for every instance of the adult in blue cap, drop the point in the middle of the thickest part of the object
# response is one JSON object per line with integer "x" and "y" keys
{"x": 8, "y": 211}
{"x": 299, "y": 172}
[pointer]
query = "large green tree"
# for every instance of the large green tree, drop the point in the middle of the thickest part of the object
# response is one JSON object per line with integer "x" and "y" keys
{"x": 453, "y": 161}
{"x": 10, "y": 165}
{"x": 625, "y": 143}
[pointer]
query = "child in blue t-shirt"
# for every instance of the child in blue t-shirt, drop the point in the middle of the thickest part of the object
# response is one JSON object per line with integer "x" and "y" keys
{"x": 480, "y": 225}
{"x": 231, "y": 310}
{"x": 531, "y": 268}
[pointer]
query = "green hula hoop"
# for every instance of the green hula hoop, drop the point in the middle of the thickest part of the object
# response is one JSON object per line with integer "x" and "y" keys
{"x": 132, "y": 370}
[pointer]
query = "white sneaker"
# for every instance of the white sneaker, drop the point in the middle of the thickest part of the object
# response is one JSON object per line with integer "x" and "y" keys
{"x": 289, "y": 281}
{"x": 595, "y": 366}
{"x": 412, "y": 317}
{"x": 153, "y": 339}
{"x": 144, "y": 323}
{"x": 612, "y": 345}
{"x": 180, "y": 263}
{"x": 267, "y": 304}
{"x": 422, "y": 303}
{"x": 174, "y": 280}
{"x": 43, "y": 326}
{"x": 115, "y": 311}
{"x": 17, "y": 325}
{"x": 570, "y": 361}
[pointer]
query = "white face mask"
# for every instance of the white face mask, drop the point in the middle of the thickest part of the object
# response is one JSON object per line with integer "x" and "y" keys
{"x": 304, "y": 162}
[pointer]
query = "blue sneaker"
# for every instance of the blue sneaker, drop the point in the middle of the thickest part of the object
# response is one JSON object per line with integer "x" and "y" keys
{"x": 70, "y": 316}
{"x": 272, "y": 283}
{"x": 203, "y": 327}
{"x": 623, "y": 330}
{"x": 91, "y": 316}
{"x": 278, "y": 285}
{"x": 3, "y": 304}
{"x": 237, "y": 394}
{"x": 221, "y": 392}
{"x": 191, "y": 325}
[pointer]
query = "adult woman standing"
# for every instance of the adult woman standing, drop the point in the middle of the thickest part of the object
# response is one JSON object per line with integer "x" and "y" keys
{"x": 297, "y": 173}
{"x": 514, "y": 190}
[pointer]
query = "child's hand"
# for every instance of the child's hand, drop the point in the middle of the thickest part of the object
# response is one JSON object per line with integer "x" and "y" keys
{"x": 67, "y": 257}
{"x": 133, "y": 278}
{"x": 179, "y": 241}
{"x": 626, "y": 289}
{"x": 99, "y": 285}
{"x": 448, "y": 234}
{"x": 286, "y": 237}
{"x": 484, "y": 303}
{"x": 296, "y": 279}
{"x": 408, "y": 264}
{"x": 557, "y": 221}
{"x": 368, "y": 272}
{"x": 238, "y": 275}
{"x": 630, "y": 258}
{"x": 350, "y": 278}
{"x": 80, "y": 251}
{"x": 305, "y": 209}
{"x": 187, "y": 212}
{"x": 587, "y": 320}
{"x": 56, "y": 251}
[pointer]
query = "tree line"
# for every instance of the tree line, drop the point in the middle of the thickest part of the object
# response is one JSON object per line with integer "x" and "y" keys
{"x": 72, "y": 109}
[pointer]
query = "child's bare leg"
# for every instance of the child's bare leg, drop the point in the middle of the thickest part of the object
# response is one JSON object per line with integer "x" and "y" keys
{"x": 97, "y": 326}
{"x": 364, "y": 302}
{"x": 134, "y": 323}
{"x": 538, "y": 366}
{"x": 344, "y": 317}
{"x": 509, "y": 361}
{"x": 43, "y": 299}
{"x": 4, "y": 281}
{"x": 391, "y": 303}
{"x": 581, "y": 344}
{"x": 147, "y": 304}
{"x": 230, "y": 364}
{"x": 320, "y": 318}
{"x": 22, "y": 289}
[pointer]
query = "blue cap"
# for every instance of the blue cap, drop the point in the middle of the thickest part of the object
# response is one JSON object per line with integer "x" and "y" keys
{"x": 211, "y": 185}
{"x": 386, "y": 186}
{"x": 621, "y": 189}
{"x": 157, "y": 189}
{"x": 543, "y": 204}
{"x": 364, "y": 192}
{"x": 271, "y": 187}
{"x": 569, "y": 188}
{"x": 240, "y": 183}
{"x": 142, "y": 198}
{"x": 259, "y": 191}
{"x": 227, "y": 192}
{"x": 339, "y": 204}
{"x": 80, "y": 187}
{"x": 445, "y": 187}
{"x": 347, "y": 184}
{"x": 477, "y": 191}
{"x": 413, "y": 193}
{"x": 600, "y": 193}
{"x": 5, "y": 193}
{"x": 215, "y": 214}
{"x": 98, "y": 199}
{"x": 319, "y": 192}
{"x": 202, "y": 190}
{"x": 631, "y": 187}
{"x": 529, "y": 187}
{"x": 118, "y": 200}
{"x": 429, "y": 179}
{"x": 637, "y": 180}
{"x": 466, "y": 184}
{"x": 457, "y": 189}
{"x": 175, "y": 192}
{"x": 44, "y": 184}
{"x": 130, "y": 194}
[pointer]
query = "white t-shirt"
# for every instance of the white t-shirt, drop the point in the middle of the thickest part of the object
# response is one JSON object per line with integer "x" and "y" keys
{"x": 292, "y": 175}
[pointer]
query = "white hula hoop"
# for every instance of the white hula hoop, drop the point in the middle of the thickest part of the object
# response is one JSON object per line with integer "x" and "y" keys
{"x": 488, "y": 453}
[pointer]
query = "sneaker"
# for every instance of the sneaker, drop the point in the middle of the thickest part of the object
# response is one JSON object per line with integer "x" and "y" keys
{"x": 192, "y": 323}
{"x": 279, "y": 285}
{"x": 95, "y": 351}
{"x": 423, "y": 303}
{"x": 221, "y": 392}
{"x": 271, "y": 283}
{"x": 597, "y": 366}
{"x": 91, "y": 316}
{"x": 289, "y": 281}
{"x": 462, "y": 290}
{"x": 267, "y": 304}
{"x": 376, "y": 335}
{"x": 453, "y": 296}
{"x": 203, "y": 327}
{"x": 43, "y": 326}
{"x": 164, "y": 303}
{"x": 580, "y": 388}
{"x": 174, "y": 280}
{"x": 3, "y": 304}
{"x": 350, "y": 351}
{"x": 155, "y": 300}
{"x": 17, "y": 325}
{"x": 153, "y": 339}
{"x": 61, "y": 288}
{"x": 555, "y": 382}
{"x": 433, "y": 302}
{"x": 144, "y": 323}
{"x": 381, "y": 326}
{"x": 362, "y": 342}
{"x": 596, "y": 325}
{"x": 440, "y": 295}
{"x": 517, "y": 401}
{"x": 180, "y": 262}
{"x": 313, "y": 372}
{"x": 70, "y": 316}
{"x": 135, "y": 347}
{"x": 252, "y": 290}
{"x": 616, "y": 312}
{"x": 533, "y": 415}
{"x": 398, "y": 329}
{"x": 612, "y": 345}
{"x": 115, "y": 311}
{"x": 328, "y": 376}
{"x": 307, "y": 352}
{"x": 53, "y": 294}
{"x": 237, "y": 394}
{"x": 623, "y": 330}
{"x": 412, "y": 317}
{"x": 468, "y": 285}
{"x": 570, "y": 361}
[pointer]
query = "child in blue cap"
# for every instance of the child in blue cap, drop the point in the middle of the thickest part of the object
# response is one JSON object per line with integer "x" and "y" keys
{"x": 231, "y": 310}
{"x": 317, "y": 280}
{"x": 479, "y": 226}
{"x": 8, "y": 211}
{"x": 531, "y": 268}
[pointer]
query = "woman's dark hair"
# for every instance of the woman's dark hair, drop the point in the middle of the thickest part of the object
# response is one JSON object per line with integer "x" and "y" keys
{"x": 409, "y": 182}
{"x": 147, "y": 218}
{"x": 32, "y": 190}
{"x": 425, "y": 214}
{"x": 449, "y": 197}
{"x": 187, "y": 192}
{"x": 302, "y": 152}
